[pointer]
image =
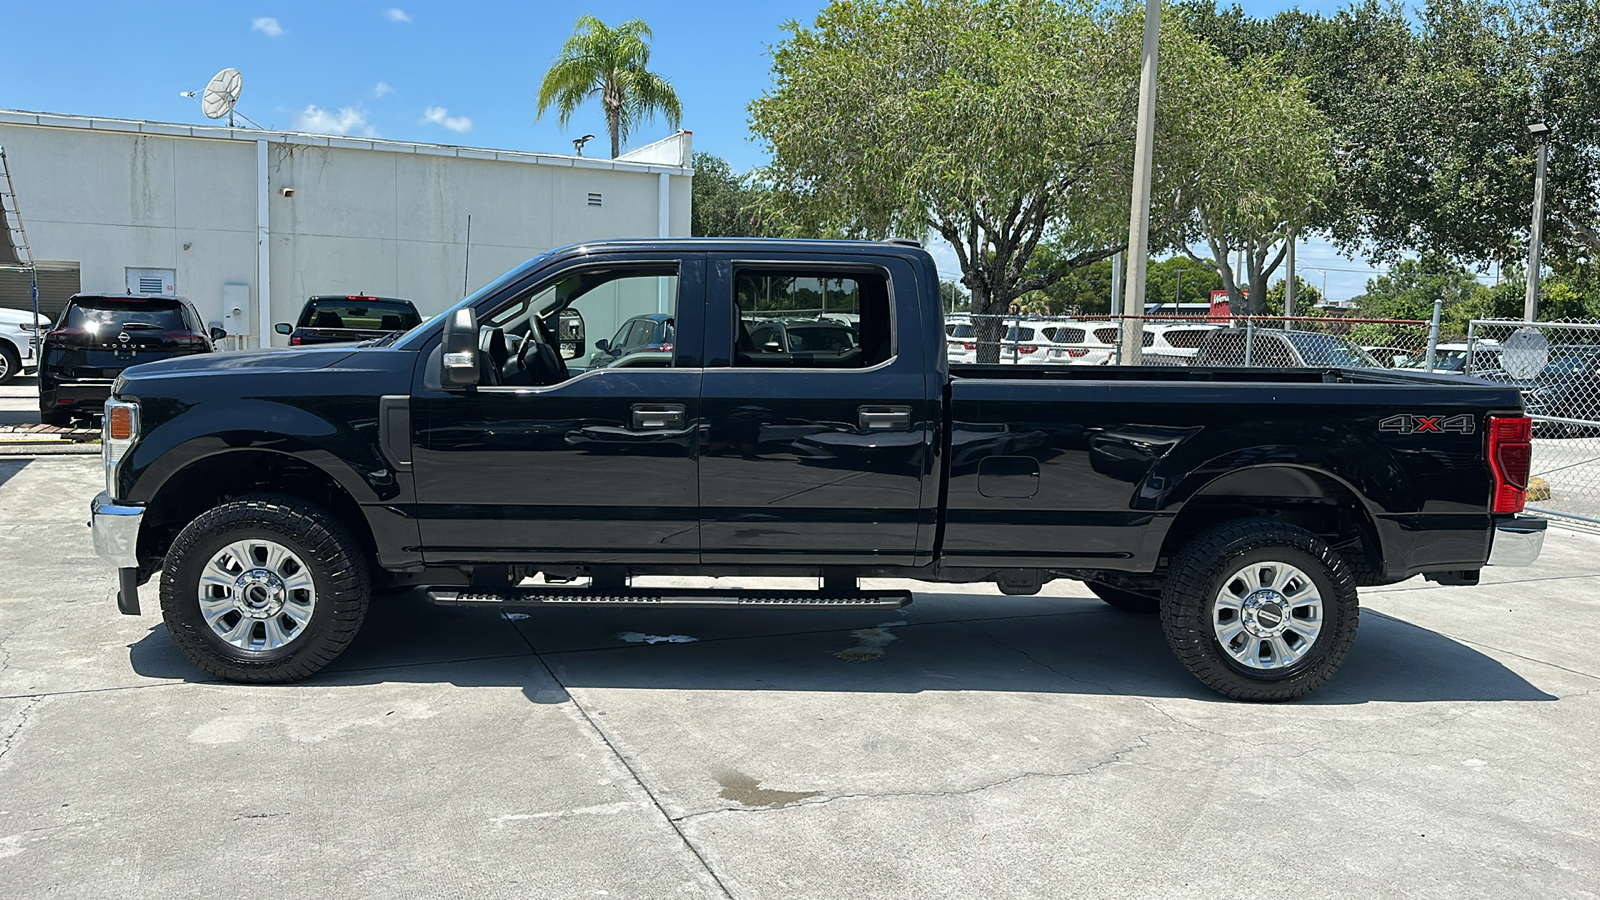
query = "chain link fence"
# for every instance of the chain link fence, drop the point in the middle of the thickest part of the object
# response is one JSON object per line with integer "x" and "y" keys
{"x": 1556, "y": 365}
{"x": 1200, "y": 340}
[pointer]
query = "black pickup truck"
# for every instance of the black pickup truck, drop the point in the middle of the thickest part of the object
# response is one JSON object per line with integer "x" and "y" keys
{"x": 277, "y": 491}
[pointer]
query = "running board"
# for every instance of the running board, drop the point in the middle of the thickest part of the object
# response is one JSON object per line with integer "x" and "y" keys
{"x": 680, "y": 599}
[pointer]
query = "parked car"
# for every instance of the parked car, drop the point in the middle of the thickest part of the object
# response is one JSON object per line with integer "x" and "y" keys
{"x": 328, "y": 319}
{"x": 1567, "y": 388}
{"x": 1452, "y": 357}
{"x": 274, "y": 497}
{"x": 641, "y": 334}
{"x": 1389, "y": 357}
{"x": 18, "y": 330}
{"x": 1074, "y": 344}
{"x": 1175, "y": 343}
{"x": 802, "y": 336}
{"x": 99, "y": 335}
{"x": 1273, "y": 349}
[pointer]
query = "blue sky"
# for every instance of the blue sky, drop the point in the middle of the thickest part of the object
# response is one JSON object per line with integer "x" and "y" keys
{"x": 457, "y": 73}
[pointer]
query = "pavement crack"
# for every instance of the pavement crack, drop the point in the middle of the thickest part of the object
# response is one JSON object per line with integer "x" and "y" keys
{"x": 627, "y": 765}
{"x": 10, "y": 736}
{"x": 1140, "y": 742}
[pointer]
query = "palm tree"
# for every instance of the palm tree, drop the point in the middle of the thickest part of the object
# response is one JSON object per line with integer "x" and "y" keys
{"x": 609, "y": 62}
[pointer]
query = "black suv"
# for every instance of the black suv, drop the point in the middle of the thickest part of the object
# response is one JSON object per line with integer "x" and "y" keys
{"x": 346, "y": 319}
{"x": 99, "y": 335}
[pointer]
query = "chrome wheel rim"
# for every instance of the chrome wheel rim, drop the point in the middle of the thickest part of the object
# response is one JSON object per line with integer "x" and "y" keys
{"x": 256, "y": 594}
{"x": 5, "y": 366}
{"x": 1267, "y": 615}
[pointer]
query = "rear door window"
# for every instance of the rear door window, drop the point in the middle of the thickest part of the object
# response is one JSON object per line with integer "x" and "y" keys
{"x": 811, "y": 319}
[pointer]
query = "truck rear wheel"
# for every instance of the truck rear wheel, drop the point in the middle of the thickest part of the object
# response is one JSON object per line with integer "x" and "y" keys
{"x": 1127, "y": 601}
{"x": 264, "y": 589}
{"x": 1260, "y": 610}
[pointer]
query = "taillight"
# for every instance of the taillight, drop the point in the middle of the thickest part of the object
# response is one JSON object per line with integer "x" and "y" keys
{"x": 1510, "y": 457}
{"x": 190, "y": 339}
{"x": 666, "y": 348}
{"x": 1027, "y": 348}
{"x": 1077, "y": 352}
{"x": 60, "y": 333}
{"x": 294, "y": 341}
{"x": 969, "y": 346}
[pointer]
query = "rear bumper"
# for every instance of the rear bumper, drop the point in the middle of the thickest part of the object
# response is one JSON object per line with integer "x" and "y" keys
{"x": 116, "y": 540}
{"x": 62, "y": 394}
{"x": 1517, "y": 542}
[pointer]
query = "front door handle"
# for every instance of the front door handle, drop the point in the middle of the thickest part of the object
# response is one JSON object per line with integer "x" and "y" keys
{"x": 657, "y": 416}
{"x": 885, "y": 418}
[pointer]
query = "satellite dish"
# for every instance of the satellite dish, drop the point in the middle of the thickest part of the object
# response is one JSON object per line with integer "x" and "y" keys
{"x": 221, "y": 94}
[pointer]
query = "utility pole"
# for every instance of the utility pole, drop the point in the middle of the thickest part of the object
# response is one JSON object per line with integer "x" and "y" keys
{"x": 1139, "y": 216}
{"x": 1289, "y": 288}
{"x": 1530, "y": 304}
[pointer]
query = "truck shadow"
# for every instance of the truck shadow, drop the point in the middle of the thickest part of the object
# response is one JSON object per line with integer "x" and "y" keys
{"x": 945, "y": 642}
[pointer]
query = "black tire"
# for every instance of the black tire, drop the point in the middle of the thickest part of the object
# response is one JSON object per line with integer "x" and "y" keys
{"x": 1197, "y": 576}
{"x": 10, "y": 362}
{"x": 55, "y": 417}
{"x": 1127, "y": 601}
{"x": 336, "y": 563}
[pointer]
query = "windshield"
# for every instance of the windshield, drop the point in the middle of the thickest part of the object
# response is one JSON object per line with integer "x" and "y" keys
{"x": 1326, "y": 350}
{"x": 492, "y": 287}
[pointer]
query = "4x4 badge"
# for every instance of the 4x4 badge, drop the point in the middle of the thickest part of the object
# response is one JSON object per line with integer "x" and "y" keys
{"x": 1408, "y": 424}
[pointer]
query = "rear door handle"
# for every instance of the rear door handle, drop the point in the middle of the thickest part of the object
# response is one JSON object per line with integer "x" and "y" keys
{"x": 656, "y": 416}
{"x": 885, "y": 418}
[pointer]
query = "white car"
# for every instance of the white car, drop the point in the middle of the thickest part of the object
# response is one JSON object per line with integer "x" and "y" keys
{"x": 1174, "y": 343}
{"x": 17, "y": 330}
{"x": 1080, "y": 343}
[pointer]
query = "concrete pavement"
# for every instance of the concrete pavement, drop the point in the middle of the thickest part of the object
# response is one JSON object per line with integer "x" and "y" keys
{"x": 975, "y": 745}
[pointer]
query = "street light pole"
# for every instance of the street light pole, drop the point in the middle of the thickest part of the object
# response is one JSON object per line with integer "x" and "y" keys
{"x": 1530, "y": 304}
{"x": 1139, "y": 217}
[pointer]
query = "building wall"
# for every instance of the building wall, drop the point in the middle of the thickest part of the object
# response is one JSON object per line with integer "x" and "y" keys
{"x": 364, "y": 217}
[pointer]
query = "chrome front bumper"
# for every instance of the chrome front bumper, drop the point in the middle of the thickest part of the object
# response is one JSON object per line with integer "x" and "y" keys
{"x": 1517, "y": 542}
{"x": 116, "y": 531}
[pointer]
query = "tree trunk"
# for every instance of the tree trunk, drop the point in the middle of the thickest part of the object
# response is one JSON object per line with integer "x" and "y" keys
{"x": 988, "y": 328}
{"x": 612, "y": 98}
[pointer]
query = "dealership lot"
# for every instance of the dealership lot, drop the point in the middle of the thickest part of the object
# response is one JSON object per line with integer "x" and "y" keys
{"x": 976, "y": 745}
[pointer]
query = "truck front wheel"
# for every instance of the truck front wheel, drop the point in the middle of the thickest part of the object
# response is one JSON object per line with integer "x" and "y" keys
{"x": 1260, "y": 610}
{"x": 264, "y": 589}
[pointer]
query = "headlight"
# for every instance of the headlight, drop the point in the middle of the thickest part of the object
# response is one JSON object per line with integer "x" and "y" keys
{"x": 118, "y": 432}
{"x": 29, "y": 327}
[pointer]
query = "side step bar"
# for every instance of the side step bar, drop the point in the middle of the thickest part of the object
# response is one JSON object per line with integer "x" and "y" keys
{"x": 707, "y": 599}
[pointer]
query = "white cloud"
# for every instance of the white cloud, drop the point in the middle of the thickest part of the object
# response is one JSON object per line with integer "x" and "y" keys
{"x": 438, "y": 115}
{"x": 382, "y": 89}
{"x": 267, "y": 25}
{"x": 348, "y": 120}
{"x": 395, "y": 14}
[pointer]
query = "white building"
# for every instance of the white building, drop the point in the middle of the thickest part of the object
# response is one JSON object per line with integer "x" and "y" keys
{"x": 226, "y": 216}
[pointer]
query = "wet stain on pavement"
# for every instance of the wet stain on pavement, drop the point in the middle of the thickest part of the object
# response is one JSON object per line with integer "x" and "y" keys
{"x": 870, "y": 644}
{"x": 747, "y": 791}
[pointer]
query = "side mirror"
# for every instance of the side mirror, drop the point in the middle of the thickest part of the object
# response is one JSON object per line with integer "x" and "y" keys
{"x": 217, "y": 334}
{"x": 570, "y": 334}
{"x": 602, "y": 346}
{"x": 459, "y": 350}
{"x": 283, "y": 328}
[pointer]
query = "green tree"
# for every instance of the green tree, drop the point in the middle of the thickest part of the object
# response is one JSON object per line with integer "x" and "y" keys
{"x": 1257, "y": 173}
{"x": 1180, "y": 279}
{"x": 724, "y": 205}
{"x": 1306, "y": 298}
{"x": 997, "y": 124}
{"x": 1412, "y": 285}
{"x": 611, "y": 63}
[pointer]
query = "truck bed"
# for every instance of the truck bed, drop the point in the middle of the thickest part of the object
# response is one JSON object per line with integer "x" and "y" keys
{"x": 1088, "y": 467}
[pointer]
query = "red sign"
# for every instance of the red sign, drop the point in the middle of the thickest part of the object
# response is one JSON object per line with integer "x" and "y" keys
{"x": 1220, "y": 311}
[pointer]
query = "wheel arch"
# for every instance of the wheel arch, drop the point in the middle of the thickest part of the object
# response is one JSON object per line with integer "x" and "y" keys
{"x": 216, "y": 478}
{"x": 1314, "y": 499}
